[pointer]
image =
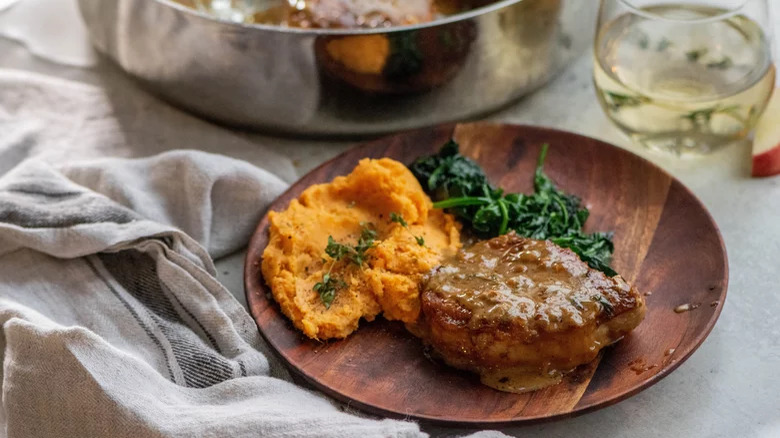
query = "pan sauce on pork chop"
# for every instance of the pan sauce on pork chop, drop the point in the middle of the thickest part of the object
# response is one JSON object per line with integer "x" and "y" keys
{"x": 522, "y": 312}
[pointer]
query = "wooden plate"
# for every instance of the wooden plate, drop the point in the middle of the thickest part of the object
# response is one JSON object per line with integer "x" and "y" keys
{"x": 666, "y": 243}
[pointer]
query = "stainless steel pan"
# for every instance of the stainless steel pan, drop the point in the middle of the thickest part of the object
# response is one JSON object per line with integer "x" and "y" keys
{"x": 341, "y": 81}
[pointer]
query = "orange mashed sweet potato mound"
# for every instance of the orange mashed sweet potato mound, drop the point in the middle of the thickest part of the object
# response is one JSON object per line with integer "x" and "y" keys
{"x": 295, "y": 260}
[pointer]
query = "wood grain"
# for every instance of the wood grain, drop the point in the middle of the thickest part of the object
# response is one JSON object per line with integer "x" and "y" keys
{"x": 665, "y": 240}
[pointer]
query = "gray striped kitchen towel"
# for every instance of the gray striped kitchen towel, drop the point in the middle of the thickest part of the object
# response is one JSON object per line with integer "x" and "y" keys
{"x": 112, "y": 323}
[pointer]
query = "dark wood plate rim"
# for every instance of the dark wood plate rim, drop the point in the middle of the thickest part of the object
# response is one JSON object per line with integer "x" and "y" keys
{"x": 253, "y": 287}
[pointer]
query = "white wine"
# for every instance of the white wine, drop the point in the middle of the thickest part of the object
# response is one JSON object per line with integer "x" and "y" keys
{"x": 677, "y": 79}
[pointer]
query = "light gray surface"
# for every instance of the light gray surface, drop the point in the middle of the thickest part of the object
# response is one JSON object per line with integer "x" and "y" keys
{"x": 729, "y": 387}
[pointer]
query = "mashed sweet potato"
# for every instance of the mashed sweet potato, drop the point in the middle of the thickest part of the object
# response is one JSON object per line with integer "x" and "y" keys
{"x": 295, "y": 260}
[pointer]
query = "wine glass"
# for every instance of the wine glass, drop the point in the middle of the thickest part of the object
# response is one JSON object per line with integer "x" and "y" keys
{"x": 685, "y": 76}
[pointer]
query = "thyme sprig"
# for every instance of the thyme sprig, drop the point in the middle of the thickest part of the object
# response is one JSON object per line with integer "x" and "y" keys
{"x": 397, "y": 218}
{"x": 337, "y": 251}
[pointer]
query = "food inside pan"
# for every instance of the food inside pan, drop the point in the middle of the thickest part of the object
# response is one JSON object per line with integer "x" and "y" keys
{"x": 334, "y": 13}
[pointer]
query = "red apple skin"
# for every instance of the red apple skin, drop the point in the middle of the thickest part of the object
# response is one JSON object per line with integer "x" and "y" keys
{"x": 767, "y": 163}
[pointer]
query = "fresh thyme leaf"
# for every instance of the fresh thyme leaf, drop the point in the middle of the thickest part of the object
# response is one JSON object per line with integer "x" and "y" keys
{"x": 357, "y": 254}
{"x": 547, "y": 214}
{"x": 397, "y": 218}
{"x": 329, "y": 285}
{"x": 605, "y": 304}
{"x": 336, "y": 250}
{"x": 695, "y": 55}
{"x": 327, "y": 288}
{"x": 365, "y": 242}
{"x": 723, "y": 64}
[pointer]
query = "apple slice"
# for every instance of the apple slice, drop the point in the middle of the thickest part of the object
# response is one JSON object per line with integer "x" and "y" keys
{"x": 766, "y": 142}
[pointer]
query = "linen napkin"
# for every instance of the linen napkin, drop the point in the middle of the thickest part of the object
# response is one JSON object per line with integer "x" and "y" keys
{"x": 112, "y": 323}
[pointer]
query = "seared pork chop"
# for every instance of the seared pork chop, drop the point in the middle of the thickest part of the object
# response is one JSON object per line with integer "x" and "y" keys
{"x": 522, "y": 312}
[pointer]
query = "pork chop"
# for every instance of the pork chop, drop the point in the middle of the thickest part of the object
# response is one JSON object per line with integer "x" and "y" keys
{"x": 523, "y": 312}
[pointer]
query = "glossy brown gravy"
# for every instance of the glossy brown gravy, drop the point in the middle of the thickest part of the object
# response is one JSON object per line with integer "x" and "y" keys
{"x": 524, "y": 280}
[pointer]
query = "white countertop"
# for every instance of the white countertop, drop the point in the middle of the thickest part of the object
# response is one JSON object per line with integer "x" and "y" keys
{"x": 730, "y": 386}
